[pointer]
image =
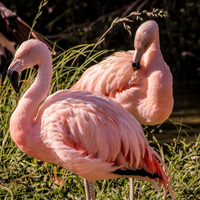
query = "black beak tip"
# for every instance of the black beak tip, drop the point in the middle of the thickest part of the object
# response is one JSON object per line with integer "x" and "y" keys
{"x": 14, "y": 79}
{"x": 136, "y": 66}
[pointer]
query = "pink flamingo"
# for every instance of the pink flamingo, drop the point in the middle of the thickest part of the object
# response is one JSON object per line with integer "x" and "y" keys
{"x": 139, "y": 80}
{"x": 85, "y": 132}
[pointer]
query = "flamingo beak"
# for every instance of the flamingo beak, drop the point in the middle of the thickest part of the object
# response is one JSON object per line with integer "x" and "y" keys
{"x": 136, "y": 59}
{"x": 13, "y": 74}
{"x": 136, "y": 66}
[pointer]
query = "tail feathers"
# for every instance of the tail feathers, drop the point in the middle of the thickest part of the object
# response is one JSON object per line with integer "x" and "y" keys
{"x": 151, "y": 171}
{"x": 155, "y": 167}
{"x": 168, "y": 180}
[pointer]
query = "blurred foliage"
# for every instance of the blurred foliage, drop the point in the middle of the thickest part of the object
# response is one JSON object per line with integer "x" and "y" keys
{"x": 73, "y": 22}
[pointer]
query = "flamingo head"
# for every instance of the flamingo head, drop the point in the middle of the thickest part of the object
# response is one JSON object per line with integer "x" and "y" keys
{"x": 31, "y": 52}
{"x": 144, "y": 37}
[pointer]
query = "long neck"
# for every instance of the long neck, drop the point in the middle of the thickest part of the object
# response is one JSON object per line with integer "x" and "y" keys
{"x": 154, "y": 50}
{"x": 23, "y": 117}
{"x": 159, "y": 83}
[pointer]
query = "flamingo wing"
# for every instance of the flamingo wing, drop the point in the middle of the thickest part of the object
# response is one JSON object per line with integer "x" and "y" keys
{"x": 111, "y": 76}
{"x": 80, "y": 112}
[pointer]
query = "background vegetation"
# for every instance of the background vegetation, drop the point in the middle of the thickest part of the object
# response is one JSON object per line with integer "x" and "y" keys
{"x": 77, "y": 22}
{"x": 73, "y": 22}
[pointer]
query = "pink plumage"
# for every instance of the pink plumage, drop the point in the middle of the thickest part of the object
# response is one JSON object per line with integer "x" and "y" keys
{"x": 85, "y": 132}
{"x": 139, "y": 80}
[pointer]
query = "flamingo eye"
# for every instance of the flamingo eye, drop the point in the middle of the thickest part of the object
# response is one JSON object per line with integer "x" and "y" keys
{"x": 21, "y": 55}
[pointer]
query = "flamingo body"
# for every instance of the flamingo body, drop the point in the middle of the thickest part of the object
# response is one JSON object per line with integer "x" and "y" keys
{"x": 145, "y": 91}
{"x": 85, "y": 132}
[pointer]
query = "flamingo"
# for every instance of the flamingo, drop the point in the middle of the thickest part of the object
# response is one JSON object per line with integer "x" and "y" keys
{"x": 13, "y": 32}
{"x": 84, "y": 132}
{"x": 139, "y": 80}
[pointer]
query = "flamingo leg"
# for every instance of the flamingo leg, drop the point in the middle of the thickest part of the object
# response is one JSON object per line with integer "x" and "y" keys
{"x": 89, "y": 190}
{"x": 131, "y": 184}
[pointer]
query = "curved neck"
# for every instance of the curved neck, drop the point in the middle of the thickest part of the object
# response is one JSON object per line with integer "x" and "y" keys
{"x": 156, "y": 43}
{"x": 159, "y": 92}
{"x": 27, "y": 108}
{"x": 153, "y": 57}
{"x": 154, "y": 48}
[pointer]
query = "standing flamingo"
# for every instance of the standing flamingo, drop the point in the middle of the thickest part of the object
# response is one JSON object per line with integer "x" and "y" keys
{"x": 85, "y": 132}
{"x": 13, "y": 31}
{"x": 139, "y": 80}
